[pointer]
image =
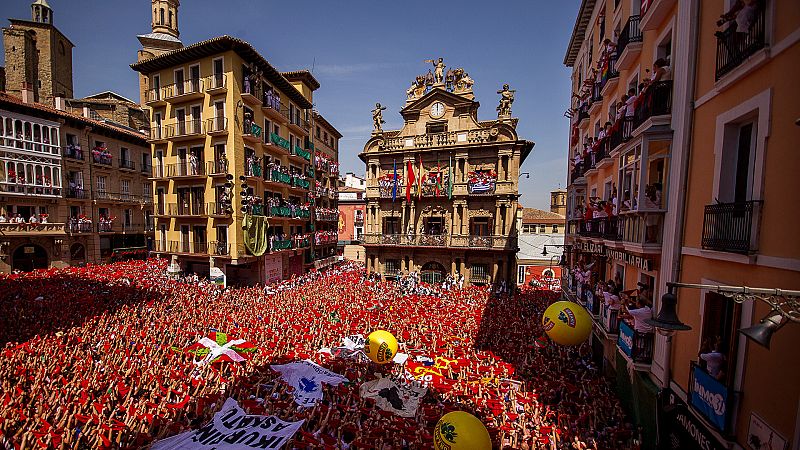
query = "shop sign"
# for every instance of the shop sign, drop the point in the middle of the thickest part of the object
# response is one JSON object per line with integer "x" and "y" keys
{"x": 761, "y": 436}
{"x": 590, "y": 247}
{"x": 273, "y": 267}
{"x": 709, "y": 397}
{"x": 625, "y": 338}
{"x": 637, "y": 261}
{"x": 216, "y": 276}
{"x": 680, "y": 430}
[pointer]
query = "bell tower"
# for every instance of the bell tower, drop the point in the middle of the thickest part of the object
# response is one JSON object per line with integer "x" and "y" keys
{"x": 558, "y": 201}
{"x": 41, "y": 12}
{"x": 163, "y": 38}
{"x": 165, "y": 17}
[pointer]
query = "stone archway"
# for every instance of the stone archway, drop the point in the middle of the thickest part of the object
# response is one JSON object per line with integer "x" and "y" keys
{"x": 28, "y": 257}
{"x": 432, "y": 272}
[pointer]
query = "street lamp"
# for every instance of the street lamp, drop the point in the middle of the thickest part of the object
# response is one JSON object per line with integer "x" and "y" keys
{"x": 785, "y": 307}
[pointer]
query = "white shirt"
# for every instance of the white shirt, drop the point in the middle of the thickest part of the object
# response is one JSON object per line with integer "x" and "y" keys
{"x": 639, "y": 315}
{"x": 714, "y": 361}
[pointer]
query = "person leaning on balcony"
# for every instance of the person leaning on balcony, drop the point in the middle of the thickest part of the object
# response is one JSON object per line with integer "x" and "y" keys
{"x": 740, "y": 17}
{"x": 714, "y": 359}
{"x": 630, "y": 103}
{"x": 641, "y": 312}
{"x": 3, "y": 218}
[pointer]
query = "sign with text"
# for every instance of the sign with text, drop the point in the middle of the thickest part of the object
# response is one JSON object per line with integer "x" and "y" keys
{"x": 233, "y": 429}
{"x": 637, "y": 261}
{"x": 761, "y": 436}
{"x": 590, "y": 247}
{"x": 709, "y": 397}
{"x": 625, "y": 338}
{"x": 679, "y": 429}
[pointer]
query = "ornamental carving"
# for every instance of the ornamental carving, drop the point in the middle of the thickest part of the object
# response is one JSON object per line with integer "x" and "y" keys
{"x": 480, "y": 213}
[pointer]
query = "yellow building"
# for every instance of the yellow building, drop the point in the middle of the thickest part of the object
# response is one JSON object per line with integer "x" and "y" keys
{"x": 668, "y": 182}
{"x": 232, "y": 155}
{"x": 442, "y": 191}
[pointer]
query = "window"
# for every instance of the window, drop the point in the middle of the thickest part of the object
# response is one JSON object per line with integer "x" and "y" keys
{"x": 101, "y": 184}
{"x": 480, "y": 226}
{"x": 391, "y": 225}
{"x": 629, "y": 176}
{"x": 125, "y": 154}
{"x": 521, "y": 274}
{"x": 125, "y": 186}
{"x": 391, "y": 267}
{"x": 147, "y": 190}
{"x": 541, "y": 228}
{"x": 479, "y": 273}
{"x": 555, "y": 228}
{"x": 719, "y": 335}
{"x": 317, "y": 131}
{"x": 738, "y": 161}
{"x": 128, "y": 217}
{"x": 438, "y": 127}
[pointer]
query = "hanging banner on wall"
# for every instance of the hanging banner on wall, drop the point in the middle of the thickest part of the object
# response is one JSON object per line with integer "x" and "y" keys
{"x": 710, "y": 397}
{"x": 233, "y": 429}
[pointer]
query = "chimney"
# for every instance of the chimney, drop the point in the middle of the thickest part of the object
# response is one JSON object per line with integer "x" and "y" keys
{"x": 61, "y": 104}
{"x": 27, "y": 95}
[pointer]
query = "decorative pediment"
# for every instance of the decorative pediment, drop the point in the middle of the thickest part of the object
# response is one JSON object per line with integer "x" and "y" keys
{"x": 480, "y": 213}
{"x": 437, "y": 94}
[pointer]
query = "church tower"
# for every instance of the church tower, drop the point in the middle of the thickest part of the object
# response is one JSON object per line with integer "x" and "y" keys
{"x": 162, "y": 39}
{"x": 38, "y": 56}
{"x": 558, "y": 202}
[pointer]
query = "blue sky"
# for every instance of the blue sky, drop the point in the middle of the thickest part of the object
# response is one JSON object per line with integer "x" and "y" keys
{"x": 362, "y": 52}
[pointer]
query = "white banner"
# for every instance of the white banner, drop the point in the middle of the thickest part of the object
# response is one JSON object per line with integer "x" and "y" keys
{"x": 306, "y": 378}
{"x": 233, "y": 429}
{"x": 400, "y": 399}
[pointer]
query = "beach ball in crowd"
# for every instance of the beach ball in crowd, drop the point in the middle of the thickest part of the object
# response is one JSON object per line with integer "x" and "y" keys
{"x": 380, "y": 346}
{"x": 567, "y": 323}
{"x": 459, "y": 430}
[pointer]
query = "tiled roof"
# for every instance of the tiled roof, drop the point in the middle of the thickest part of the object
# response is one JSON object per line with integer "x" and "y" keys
{"x": 533, "y": 215}
{"x": 215, "y": 46}
{"x": 302, "y": 75}
{"x": 579, "y": 31}
{"x": 7, "y": 100}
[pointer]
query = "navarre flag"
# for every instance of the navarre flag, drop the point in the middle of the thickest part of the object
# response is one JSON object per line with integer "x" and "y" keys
{"x": 400, "y": 399}
{"x": 218, "y": 347}
{"x": 410, "y": 180}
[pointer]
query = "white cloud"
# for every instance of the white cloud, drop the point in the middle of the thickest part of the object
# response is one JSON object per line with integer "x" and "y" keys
{"x": 345, "y": 70}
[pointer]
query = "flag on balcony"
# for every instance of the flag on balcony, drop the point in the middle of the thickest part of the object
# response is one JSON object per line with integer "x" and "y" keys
{"x": 450, "y": 177}
{"x": 410, "y": 180}
{"x": 419, "y": 179}
{"x": 394, "y": 187}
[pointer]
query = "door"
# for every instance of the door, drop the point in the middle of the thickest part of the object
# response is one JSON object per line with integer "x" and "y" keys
{"x": 194, "y": 78}
{"x": 29, "y": 257}
{"x": 180, "y": 88}
{"x": 156, "y": 93}
{"x": 159, "y": 163}
{"x": 218, "y": 73}
{"x": 184, "y": 244}
{"x": 196, "y": 118}
{"x": 180, "y": 118}
{"x": 219, "y": 116}
{"x": 199, "y": 240}
{"x": 160, "y": 205}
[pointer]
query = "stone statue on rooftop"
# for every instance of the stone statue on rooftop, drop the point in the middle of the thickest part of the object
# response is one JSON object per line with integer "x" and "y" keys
{"x": 377, "y": 118}
{"x": 438, "y": 70}
{"x": 506, "y": 99}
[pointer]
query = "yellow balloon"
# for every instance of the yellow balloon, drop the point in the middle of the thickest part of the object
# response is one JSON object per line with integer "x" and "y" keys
{"x": 380, "y": 346}
{"x": 567, "y": 323}
{"x": 459, "y": 430}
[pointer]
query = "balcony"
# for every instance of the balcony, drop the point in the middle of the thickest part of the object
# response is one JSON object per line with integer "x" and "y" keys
{"x": 289, "y": 211}
{"x": 609, "y": 319}
{"x": 147, "y": 168}
{"x": 250, "y": 93}
{"x": 278, "y": 245}
{"x": 274, "y": 139}
{"x": 8, "y": 229}
{"x": 219, "y": 248}
{"x": 596, "y": 99}
{"x": 186, "y": 90}
{"x": 601, "y": 227}
{"x": 621, "y": 132}
{"x": 185, "y": 169}
{"x": 326, "y": 216}
{"x": 155, "y": 97}
{"x": 654, "y": 12}
{"x": 635, "y": 345}
{"x": 609, "y": 77}
{"x": 217, "y": 83}
{"x": 300, "y": 182}
{"x": 127, "y": 164}
{"x": 217, "y": 168}
{"x": 187, "y": 209}
{"x": 78, "y": 226}
{"x": 454, "y": 241}
{"x": 77, "y": 193}
{"x": 251, "y": 132}
{"x": 22, "y": 188}
{"x": 629, "y": 45}
{"x": 253, "y": 170}
{"x": 159, "y": 171}
{"x": 734, "y": 48}
{"x": 106, "y": 227}
{"x": 656, "y": 102}
{"x": 185, "y": 130}
{"x": 582, "y": 117}
{"x": 643, "y": 229}
{"x": 731, "y": 227}
{"x": 200, "y": 248}
{"x": 481, "y": 184}
{"x": 73, "y": 152}
{"x": 117, "y": 197}
{"x": 217, "y": 126}
{"x": 299, "y": 152}
{"x": 712, "y": 399}
{"x": 449, "y": 139}
{"x": 102, "y": 158}
{"x": 158, "y": 134}
{"x": 218, "y": 210}
{"x": 277, "y": 176}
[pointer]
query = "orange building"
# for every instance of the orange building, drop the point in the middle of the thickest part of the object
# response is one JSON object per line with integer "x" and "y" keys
{"x": 680, "y": 148}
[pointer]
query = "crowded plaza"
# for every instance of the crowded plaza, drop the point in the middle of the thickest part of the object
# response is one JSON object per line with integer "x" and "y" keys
{"x": 96, "y": 357}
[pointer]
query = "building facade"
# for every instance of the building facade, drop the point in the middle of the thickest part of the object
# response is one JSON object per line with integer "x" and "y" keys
{"x": 233, "y": 157}
{"x": 670, "y": 180}
{"x": 352, "y": 204}
{"x": 541, "y": 244}
{"x": 76, "y": 168}
{"x": 326, "y": 197}
{"x": 442, "y": 191}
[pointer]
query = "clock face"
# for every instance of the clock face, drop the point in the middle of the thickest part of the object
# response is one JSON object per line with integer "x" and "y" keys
{"x": 437, "y": 110}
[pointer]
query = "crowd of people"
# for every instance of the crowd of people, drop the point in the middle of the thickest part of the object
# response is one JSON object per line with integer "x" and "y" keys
{"x": 91, "y": 358}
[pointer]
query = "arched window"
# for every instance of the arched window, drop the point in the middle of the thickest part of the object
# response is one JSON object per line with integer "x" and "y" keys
{"x": 18, "y": 133}
{"x": 170, "y": 18}
{"x": 161, "y": 16}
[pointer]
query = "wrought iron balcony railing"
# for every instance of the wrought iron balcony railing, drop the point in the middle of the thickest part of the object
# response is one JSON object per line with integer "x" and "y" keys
{"x": 731, "y": 227}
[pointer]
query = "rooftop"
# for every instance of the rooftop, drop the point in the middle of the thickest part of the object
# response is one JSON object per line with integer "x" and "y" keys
{"x": 533, "y": 215}
{"x": 579, "y": 31}
{"x": 7, "y": 100}
{"x": 302, "y": 75}
{"x": 215, "y": 46}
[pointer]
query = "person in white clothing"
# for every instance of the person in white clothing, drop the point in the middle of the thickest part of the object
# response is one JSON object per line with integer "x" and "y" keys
{"x": 714, "y": 363}
{"x": 639, "y": 314}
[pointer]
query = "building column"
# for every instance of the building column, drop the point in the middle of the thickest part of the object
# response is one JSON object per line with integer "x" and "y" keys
{"x": 412, "y": 222}
{"x": 403, "y": 218}
{"x": 510, "y": 219}
{"x": 464, "y": 220}
{"x": 494, "y": 272}
{"x": 497, "y": 219}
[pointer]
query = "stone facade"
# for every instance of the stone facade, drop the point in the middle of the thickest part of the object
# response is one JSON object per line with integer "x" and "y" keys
{"x": 452, "y": 207}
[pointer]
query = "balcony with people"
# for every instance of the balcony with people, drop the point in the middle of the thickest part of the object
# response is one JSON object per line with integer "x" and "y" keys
{"x": 481, "y": 182}
{"x": 18, "y": 134}
{"x": 326, "y": 237}
{"x": 742, "y": 34}
{"x": 251, "y": 87}
{"x": 326, "y": 214}
{"x": 101, "y": 155}
{"x": 635, "y": 338}
{"x": 30, "y": 179}
{"x": 80, "y": 224}
{"x": 73, "y": 151}
{"x": 251, "y": 131}
{"x": 272, "y": 106}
